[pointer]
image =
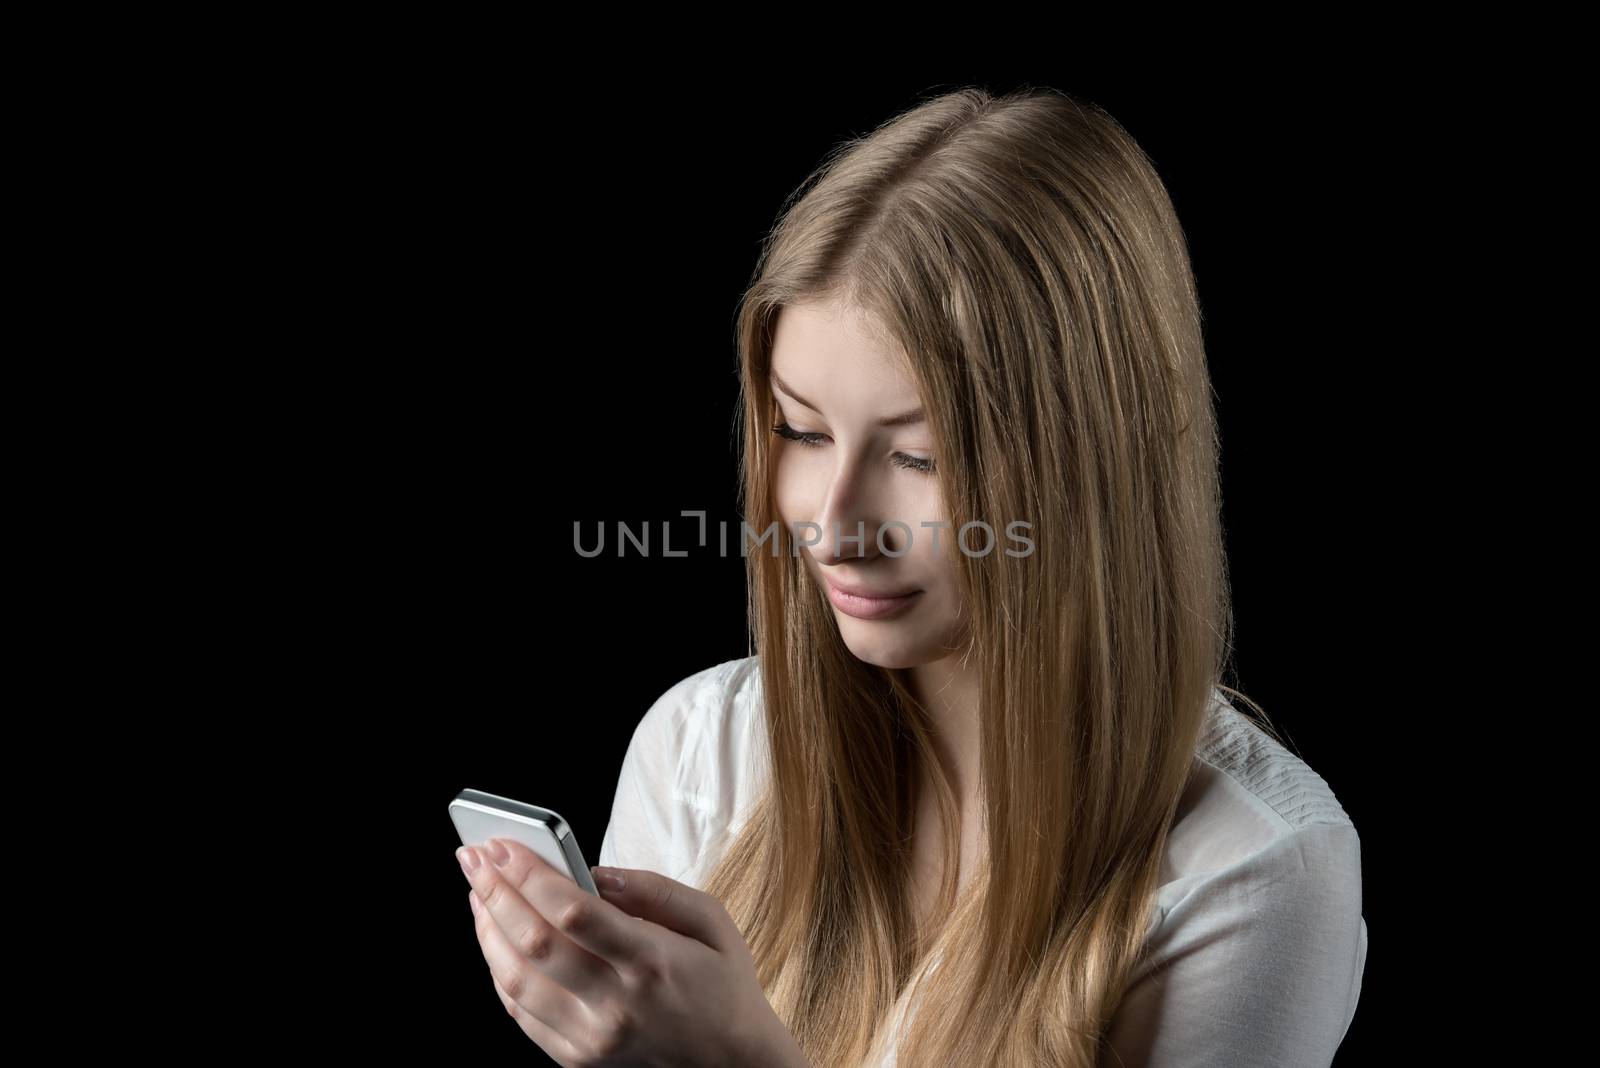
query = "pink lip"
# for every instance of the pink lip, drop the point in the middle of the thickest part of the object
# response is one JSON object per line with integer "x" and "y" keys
{"x": 866, "y": 605}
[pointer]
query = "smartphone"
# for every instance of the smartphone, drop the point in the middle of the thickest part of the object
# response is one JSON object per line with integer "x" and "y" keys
{"x": 480, "y": 816}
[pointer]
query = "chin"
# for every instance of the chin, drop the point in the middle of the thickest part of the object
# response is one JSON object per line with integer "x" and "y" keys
{"x": 884, "y": 654}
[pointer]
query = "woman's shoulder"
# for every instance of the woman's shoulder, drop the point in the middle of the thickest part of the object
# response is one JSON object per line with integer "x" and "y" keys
{"x": 1259, "y": 910}
{"x": 1252, "y": 803}
{"x": 707, "y": 690}
{"x": 701, "y": 731}
{"x": 1257, "y": 828}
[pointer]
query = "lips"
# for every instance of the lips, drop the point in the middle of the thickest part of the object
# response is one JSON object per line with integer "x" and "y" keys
{"x": 872, "y": 595}
{"x": 871, "y": 606}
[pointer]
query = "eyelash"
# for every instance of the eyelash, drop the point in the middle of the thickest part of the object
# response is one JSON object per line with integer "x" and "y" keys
{"x": 812, "y": 441}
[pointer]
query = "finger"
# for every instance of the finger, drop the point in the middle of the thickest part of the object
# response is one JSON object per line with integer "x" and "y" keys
{"x": 675, "y": 906}
{"x": 588, "y": 920}
{"x": 545, "y": 1037}
{"x": 536, "y": 994}
{"x": 530, "y": 934}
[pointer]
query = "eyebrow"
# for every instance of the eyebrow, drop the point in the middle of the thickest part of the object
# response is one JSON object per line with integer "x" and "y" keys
{"x": 903, "y": 419}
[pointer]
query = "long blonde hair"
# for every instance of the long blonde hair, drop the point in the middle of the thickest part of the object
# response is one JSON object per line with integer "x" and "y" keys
{"x": 1022, "y": 254}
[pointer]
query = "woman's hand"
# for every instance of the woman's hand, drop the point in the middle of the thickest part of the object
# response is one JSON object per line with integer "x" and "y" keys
{"x": 656, "y": 974}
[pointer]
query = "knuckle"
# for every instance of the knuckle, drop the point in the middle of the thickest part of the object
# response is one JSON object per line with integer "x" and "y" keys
{"x": 513, "y": 984}
{"x": 650, "y": 967}
{"x": 505, "y": 999}
{"x": 614, "y": 1034}
{"x": 495, "y": 896}
{"x": 534, "y": 942}
{"x": 578, "y": 916}
{"x": 663, "y": 894}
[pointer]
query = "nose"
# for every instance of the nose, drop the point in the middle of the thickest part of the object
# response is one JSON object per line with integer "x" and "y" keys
{"x": 853, "y": 523}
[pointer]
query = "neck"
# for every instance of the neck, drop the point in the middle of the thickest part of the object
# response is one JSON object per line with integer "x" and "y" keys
{"x": 949, "y": 691}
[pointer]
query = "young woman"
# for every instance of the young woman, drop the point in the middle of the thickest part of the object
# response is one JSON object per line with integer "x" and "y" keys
{"x": 978, "y": 796}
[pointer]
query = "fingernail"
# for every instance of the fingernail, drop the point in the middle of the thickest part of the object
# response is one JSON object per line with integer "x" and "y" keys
{"x": 607, "y": 879}
{"x": 468, "y": 858}
{"x": 497, "y": 852}
{"x": 472, "y": 899}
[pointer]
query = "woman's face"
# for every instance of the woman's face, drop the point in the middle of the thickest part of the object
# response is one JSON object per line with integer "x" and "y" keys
{"x": 858, "y": 470}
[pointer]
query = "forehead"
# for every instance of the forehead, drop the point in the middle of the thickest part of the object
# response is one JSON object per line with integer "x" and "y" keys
{"x": 815, "y": 343}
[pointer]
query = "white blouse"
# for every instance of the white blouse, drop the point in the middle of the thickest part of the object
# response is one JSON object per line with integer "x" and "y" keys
{"x": 1256, "y": 943}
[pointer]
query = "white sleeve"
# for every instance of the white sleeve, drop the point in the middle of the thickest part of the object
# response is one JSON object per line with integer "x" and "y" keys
{"x": 657, "y": 821}
{"x": 1258, "y": 965}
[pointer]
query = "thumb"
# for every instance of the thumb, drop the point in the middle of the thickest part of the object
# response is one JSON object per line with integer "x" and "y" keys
{"x": 674, "y": 905}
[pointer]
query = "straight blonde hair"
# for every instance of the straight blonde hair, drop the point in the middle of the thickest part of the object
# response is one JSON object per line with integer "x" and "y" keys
{"x": 1021, "y": 255}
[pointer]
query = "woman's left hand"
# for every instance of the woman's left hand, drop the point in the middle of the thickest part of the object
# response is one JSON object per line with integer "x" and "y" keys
{"x": 655, "y": 974}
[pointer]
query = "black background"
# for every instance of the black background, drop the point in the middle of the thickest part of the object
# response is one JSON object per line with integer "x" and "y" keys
{"x": 505, "y": 306}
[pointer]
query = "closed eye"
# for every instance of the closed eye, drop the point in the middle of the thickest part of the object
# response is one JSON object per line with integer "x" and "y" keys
{"x": 812, "y": 440}
{"x": 784, "y": 430}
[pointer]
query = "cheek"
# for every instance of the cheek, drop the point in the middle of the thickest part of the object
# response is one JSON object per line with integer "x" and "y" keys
{"x": 942, "y": 612}
{"x": 936, "y": 572}
{"x": 791, "y": 493}
{"x": 925, "y": 506}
